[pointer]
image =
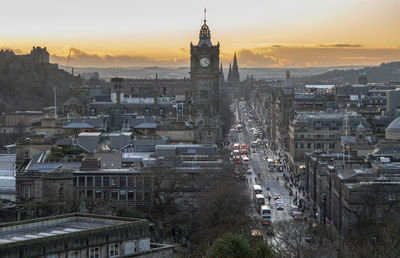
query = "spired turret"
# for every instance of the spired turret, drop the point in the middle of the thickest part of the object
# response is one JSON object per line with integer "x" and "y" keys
{"x": 235, "y": 70}
{"x": 205, "y": 34}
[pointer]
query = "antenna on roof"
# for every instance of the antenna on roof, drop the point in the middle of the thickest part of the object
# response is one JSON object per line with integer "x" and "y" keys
{"x": 205, "y": 15}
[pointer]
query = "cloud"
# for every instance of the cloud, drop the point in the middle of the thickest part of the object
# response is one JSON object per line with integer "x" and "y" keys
{"x": 341, "y": 45}
{"x": 250, "y": 58}
{"x": 337, "y": 54}
{"x": 315, "y": 55}
{"x": 81, "y": 58}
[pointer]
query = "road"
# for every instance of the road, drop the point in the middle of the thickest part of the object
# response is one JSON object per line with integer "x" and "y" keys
{"x": 259, "y": 165}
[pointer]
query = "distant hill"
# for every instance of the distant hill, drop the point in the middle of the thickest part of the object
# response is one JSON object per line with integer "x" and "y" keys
{"x": 182, "y": 72}
{"x": 382, "y": 73}
{"x": 29, "y": 85}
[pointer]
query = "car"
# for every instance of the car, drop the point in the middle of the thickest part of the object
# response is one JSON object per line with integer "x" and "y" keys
{"x": 308, "y": 238}
{"x": 277, "y": 196}
{"x": 279, "y": 206}
{"x": 249, "y": 171}
{"x": 279, "y": 202}
{"x": 297, "y": 215}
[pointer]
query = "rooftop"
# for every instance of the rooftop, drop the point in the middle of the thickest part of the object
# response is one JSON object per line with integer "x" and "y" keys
{"x": 68, "y": 225}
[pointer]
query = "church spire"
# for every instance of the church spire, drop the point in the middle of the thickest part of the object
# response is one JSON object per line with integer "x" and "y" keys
{"x": 230, "y": 73}
{"x": 235, "y": 70}
{"x": 221, "y": 75}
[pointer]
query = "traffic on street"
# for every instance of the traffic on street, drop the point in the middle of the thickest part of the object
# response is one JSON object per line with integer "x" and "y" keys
{"x": 276, "y": 195}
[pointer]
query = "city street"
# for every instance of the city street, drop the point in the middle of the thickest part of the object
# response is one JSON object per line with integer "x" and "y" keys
{"x": 258, "y": 162}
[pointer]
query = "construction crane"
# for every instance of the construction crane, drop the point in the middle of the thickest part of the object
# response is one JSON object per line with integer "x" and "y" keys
{"x": 69, "y": 57}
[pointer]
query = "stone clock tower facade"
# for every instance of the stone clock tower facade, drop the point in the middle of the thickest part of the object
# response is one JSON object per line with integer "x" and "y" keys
{"x": 204, "y": 73}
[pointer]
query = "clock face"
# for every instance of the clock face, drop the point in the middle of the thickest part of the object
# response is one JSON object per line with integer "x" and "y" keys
{"x": 204, "y": 62}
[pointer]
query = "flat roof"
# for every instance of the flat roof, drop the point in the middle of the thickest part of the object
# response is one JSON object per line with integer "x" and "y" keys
{"x": 68, "y": 225}
{"x": 90, "y": 134}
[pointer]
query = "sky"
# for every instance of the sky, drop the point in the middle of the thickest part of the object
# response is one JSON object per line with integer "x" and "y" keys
{"x": 264, "y": 33}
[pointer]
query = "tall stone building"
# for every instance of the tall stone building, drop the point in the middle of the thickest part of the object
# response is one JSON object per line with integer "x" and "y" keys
{"x": 204, "y": 72}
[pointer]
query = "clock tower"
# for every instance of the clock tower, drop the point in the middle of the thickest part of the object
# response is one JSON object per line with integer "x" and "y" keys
{"x": 204, "y": 73}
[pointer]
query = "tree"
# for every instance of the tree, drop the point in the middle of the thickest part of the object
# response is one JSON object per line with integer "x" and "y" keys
{"x": 298, "y": 239}
{"x": 230, "y": 246}
{"x": 238, "y": 245}
{"x": 224, "y": 207}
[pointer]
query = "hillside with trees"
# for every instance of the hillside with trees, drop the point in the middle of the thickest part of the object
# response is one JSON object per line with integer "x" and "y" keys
{"x": 382, "y": 73}
{"x": 30, "y": 86}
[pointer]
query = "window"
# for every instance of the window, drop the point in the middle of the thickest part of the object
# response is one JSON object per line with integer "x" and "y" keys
{"x": 113, "y": 181}
{"x": 295, "y": 145}
{"x": 82, "y": 194}
{"x": 114, "y": 250}
{"x": 331, "y": 145}
{"x": 106, "y": 194}
{"x": 131, "y": 195}
{"x": 26, "y": 155}
{"x": 74, "y": 254}
{"x": 147, "y": 196}
{"x": 89, "y": 181}
{"x": 185, "y": 202}
{"x": 139, "y": 182}
{"x": 146, "y": 181}
{"x": 82, "y": 181}
{"x": 309, "y": 145}
{"x": 114, "y": 195}
{"x": 94, "y": 252}
{"x": 301, "y": 145}
{"x": 97, "y": 181}
{"x": 139, "y": 196}
{"x": 26, "y": 191}
{"x": 106, "y": 181}
{"x": 301, "y": 135}
{"x": 97, "y": 194}
{"x": 392, "y": 197}
{"x": 89, "y": 193}
{"x": 122, "y": 181}
{"x": 130, "y": 181}
{"x": 122, "y": 195}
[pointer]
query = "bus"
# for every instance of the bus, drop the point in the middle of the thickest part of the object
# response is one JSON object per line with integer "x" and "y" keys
{"x": 271, "y": 165}
{"x": 236, "y": 159}
{"x": 245, "y": 161}
{"x": 236, "y": 146}
{"x": 259, "y": 200}
{"x": 266, "y": 214}
{"x": 257, "y": 189}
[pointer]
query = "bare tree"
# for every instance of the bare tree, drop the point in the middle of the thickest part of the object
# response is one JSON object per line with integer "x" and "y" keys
{"x": 299, "y": 239}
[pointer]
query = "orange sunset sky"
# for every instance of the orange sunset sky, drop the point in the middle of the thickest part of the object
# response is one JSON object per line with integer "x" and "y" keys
{"x": 264, "y": 33}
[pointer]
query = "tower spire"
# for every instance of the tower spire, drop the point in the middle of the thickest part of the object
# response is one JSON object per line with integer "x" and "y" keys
{"x": 221, "y": 75}
{"x": 205, "y": 35}
{"x": 235, "y": 70}
{"x": 230, "y": 73}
